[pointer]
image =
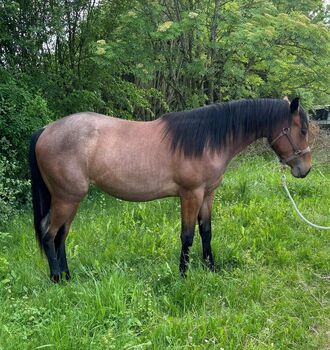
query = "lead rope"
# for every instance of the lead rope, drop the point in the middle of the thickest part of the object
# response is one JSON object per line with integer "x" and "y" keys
{"x": 283, "y": 178}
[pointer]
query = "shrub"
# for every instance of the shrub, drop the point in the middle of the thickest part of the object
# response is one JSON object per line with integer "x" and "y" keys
{"x": 13, "y": 190}
{"x": 22, "y": 111}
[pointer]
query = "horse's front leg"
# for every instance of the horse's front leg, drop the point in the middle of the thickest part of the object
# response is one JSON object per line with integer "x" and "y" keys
{"x": 191, "y": 202}
{"x": 205, "y": 229}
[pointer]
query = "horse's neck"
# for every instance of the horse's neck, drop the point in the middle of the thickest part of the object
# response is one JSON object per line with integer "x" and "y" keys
{"x": 238, "y": 145}
{"x": 232, "y": 148}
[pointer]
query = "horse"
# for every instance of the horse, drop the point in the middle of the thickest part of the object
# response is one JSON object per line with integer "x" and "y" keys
{"x": 181, "y": 154}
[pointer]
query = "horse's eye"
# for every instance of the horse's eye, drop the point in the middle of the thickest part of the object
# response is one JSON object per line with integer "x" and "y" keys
{"x": 303, "y": 132}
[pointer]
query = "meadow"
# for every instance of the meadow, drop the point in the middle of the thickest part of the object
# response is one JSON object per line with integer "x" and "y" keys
{"x": 270, "y": 289}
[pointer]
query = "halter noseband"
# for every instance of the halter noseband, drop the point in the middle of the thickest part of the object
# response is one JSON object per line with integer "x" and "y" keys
{"x": 297, "y": 152}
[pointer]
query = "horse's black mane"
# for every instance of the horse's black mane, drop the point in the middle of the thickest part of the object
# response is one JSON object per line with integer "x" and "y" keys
{"x": 191, "y": 131}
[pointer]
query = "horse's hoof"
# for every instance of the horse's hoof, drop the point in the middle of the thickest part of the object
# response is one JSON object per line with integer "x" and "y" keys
{"x": 67, "y": 275}
{"x": 209, "y": 265}
{"x": 55, "y": 278}
{"x": 183, "y": 273}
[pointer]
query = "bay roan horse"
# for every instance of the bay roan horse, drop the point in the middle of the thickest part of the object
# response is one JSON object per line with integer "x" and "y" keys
{"x": 183, "y": 154}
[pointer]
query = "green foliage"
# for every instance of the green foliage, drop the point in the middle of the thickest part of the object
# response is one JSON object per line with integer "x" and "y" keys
{"x": 13, "y": 189}
{"x": 21, "y": 113}
{"x": 270, "y": 289}
{"x": 112, "y": 57}
{"x": 198, "y": 53}
{"x": 276, "y": 54}
{"x": 83, "y": 100}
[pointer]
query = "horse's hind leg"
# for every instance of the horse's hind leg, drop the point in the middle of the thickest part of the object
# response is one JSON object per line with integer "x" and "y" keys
{"x": 60, "y": 246}
{"x": 61, "y": 212}
{"x": 60, "y": 251}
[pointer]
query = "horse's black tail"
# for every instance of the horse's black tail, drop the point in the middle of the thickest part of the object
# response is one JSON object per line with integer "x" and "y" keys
{"x": 40, "y": 193}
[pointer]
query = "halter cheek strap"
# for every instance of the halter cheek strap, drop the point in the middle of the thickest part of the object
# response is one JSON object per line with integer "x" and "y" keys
{"x": 297, "y": 152}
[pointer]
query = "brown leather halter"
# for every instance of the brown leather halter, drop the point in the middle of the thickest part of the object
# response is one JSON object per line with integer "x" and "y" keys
{"x": 297, "y": 152}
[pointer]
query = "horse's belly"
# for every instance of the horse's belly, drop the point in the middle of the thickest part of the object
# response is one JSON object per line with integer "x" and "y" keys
{"x": 136, "y": 196}
{"x": 137, "y": 192}
{"x": 136, "y": 185}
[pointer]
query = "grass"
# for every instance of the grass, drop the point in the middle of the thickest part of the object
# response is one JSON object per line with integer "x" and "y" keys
{"x": 270, "y": 291}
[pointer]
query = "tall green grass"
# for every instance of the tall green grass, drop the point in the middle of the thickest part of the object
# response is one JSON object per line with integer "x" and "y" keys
{"x": 270, "y": 289}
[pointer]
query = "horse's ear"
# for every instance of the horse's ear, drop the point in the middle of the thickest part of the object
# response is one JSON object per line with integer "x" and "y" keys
{"x": 294, "y": 105}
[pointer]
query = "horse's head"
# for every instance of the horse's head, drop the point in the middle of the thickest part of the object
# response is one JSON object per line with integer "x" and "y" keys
{"x": 290, "y": 142}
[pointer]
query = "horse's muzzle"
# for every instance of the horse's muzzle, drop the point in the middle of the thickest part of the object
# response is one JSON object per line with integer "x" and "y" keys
{"x": 298, "y": 172}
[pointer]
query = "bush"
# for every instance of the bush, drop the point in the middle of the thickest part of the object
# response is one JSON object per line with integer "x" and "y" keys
{"x": 22, "y": 111}
{"x": 13, "y": 191}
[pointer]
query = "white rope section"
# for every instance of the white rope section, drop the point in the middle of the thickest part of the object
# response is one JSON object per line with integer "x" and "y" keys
{"x": 297, "y": 210}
